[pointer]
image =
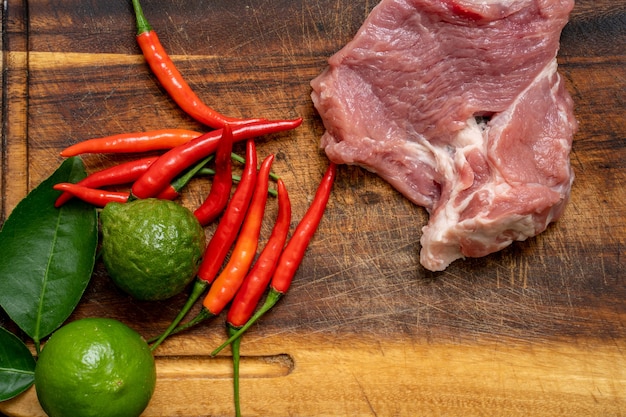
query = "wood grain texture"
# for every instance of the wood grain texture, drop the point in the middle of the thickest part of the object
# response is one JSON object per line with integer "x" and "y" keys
{"x": 537, "y": 329}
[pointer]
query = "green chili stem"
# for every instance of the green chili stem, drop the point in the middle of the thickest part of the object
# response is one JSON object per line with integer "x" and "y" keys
{"x": 272, "y": 298}
{"x": 236, "y": 357}
{"x": 202, "y": 315}
{"x": 242, "y": 160}
{"x": 179, "y": 183}
{"x": 197, "y": 290}
{"x": 142, "y": 23}
{"x": 236, "y": 178}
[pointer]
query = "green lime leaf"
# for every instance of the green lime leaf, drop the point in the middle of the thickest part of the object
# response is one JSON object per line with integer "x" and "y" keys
{"x": 17, "y": 366}
{"x": 48, "y": 255}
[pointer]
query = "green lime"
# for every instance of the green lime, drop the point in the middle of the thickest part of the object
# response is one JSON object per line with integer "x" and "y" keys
{"x": 151, "y": 248}
{"x": 95, "y": 367}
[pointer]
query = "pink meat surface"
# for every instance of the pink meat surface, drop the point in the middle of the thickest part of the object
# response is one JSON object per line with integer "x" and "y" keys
{"x": 459, "y": 106}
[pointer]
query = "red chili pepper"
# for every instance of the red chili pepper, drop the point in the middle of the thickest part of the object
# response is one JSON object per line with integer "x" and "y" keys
{"x": 94, "y": 196}
{"x": 124, "y": 173}
{"x": 100, "y": 198}
{"x": 173, "y": 190}
{"x": 294, "y": 252}
{"x": 225, "y": 286}
{"x": 87, "y": 188}
{"x": 292, "y": 256}
{"x": 153, "y": 140}
{"x": 218, "y": 197}
{"x": 258, "y": 278}
{"x": 231, "y": 222}
{"x": 222, "y": 240}
{"x": 171, "y": 79}
{"x": 179, "y": 158}
{"x": 169, "y": 193}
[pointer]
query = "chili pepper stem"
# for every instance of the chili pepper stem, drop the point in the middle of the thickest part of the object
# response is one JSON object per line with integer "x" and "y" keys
{"x": 202, "y": 315}
{"x": 236, "y": 179}
{"x": 179, "y": 183}
{"x": 272, "y": 298}
{"x": 197, "y": 290}
{"x": 235, "y": 349}
{"x": 237, "y": 158}
{"x": 142, "y": 23}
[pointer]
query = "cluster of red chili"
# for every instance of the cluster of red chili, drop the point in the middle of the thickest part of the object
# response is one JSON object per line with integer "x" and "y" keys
{"x": 240, "y": 216}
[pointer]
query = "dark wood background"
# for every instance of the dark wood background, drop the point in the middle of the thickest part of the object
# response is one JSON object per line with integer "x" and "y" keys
{"x": 535, "y": 329}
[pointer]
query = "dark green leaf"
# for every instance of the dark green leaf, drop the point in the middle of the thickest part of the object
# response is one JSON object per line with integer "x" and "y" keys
{"x": 48, "y": 255}
{"x": 17, "y": 366}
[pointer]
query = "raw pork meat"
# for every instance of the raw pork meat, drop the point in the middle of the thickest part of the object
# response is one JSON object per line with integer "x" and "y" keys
{"x": 459, "y": 106}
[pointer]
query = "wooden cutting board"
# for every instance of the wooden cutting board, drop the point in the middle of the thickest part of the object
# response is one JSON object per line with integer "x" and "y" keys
{"x": 537, "y": 329}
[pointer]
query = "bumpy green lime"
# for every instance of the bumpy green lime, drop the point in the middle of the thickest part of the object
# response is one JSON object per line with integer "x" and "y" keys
{"x": 151, "y": 248}
{"x": 95, "y": 367}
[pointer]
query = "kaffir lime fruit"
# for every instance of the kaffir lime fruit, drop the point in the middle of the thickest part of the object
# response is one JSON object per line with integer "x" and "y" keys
{"x": 151, "y": 248}
{"x": 95, "y": 367}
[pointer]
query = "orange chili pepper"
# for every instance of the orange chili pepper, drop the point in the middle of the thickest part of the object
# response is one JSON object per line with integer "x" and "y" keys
{"x": 152, "y": 140}
{"x": 257, "y": 280}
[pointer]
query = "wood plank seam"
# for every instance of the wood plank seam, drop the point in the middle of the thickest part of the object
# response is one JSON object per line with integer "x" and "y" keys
{"x": 14, "y": 145}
